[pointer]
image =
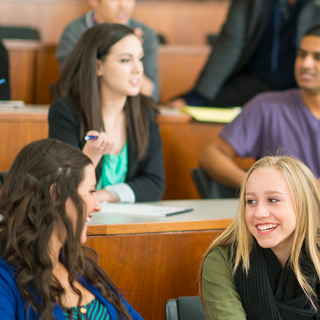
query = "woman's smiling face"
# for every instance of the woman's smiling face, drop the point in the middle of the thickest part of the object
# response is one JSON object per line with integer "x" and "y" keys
{"x": 270, "y": 214}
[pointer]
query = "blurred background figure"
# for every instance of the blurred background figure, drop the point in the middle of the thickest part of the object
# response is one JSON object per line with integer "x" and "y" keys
{"x": 4, "y": 74}
{"x": 115, "y": 11}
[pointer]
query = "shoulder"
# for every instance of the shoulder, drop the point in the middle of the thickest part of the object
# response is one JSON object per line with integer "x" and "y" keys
{"x": 271, "y": 103}
{"x": 64, "y": 104}
{"x": 219, "y": 253}
{"x": 218, "y": 259}
{"x": 274, "y": 98}
{"x": 7, "y": 279}
{"x": 5, "y": 268}
{"x": 146, "y": 30}
{"x": 76, "y": 27}
{"x": 64, "y": 108}
{"x": 150, "y": 40}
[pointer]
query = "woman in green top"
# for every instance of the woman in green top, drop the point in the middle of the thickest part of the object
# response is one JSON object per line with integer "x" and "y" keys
{"x": 98, "y": 96}
{"x": 266, "y": 264}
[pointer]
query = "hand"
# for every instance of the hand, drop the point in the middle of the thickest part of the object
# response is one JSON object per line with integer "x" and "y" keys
{"x": 139, "y": 33}
{"x": 177, "y": 103}
{"x": 95, "y": 149}
{"x": 104, "y": 195}
{"x": 102, "y": 145}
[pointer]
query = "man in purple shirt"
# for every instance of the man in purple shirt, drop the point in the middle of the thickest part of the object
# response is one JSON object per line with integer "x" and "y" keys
{"x": 285, "y": 122}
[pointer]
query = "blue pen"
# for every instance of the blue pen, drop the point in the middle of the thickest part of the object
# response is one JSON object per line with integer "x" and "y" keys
{"x": 90, "y": 138}
{"x": 2, "y": 81}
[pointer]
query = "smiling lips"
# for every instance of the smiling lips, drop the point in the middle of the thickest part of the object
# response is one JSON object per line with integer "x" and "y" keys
{"x": 266, "y": 227}
{"x": 135, "y": 82}
{"x": 307, "y": 75}
{"x": 88, "y": 218}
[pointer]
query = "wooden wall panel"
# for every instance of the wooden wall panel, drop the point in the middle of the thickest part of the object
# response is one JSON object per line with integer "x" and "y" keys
{"x": 182, "y": 145}
{"x": 34, "y": 69}
{"x": 47, "y": 73}
{"x": 179, "y": 68}
{"x": 22, "y": 75}
{"x": 152, "y": 268}
{"x": 17, "y": 134}
{"x": 49, "y": 17}
{"x": 181, "y": 22}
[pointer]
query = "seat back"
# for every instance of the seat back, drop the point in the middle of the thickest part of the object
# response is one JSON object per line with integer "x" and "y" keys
{"x": 24, "y": 33}
{"x": 185, "y": 308}
{"x": 210, "y": 189}
{"x": 172, "y": 310}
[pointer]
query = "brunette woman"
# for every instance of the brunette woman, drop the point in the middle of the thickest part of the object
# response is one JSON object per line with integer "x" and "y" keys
{"x": 45, "y": 272}
{"x": 99, "y": 98}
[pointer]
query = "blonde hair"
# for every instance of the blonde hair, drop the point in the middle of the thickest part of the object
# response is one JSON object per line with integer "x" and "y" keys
{"x": 306, "y": 197}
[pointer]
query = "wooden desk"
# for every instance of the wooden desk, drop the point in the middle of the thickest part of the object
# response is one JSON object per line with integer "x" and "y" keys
{"x": 153, "y": 259}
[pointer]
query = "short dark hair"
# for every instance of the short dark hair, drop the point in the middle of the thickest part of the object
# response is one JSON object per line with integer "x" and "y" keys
{"x": 313, "y": 31}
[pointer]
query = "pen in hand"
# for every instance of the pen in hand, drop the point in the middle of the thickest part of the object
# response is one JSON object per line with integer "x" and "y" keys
{"x": 87, "y": 138}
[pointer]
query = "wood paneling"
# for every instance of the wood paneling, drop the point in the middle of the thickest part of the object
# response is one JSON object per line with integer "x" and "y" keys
{"x": 182, "y": 145}
{"x": 49, "y": 17}
{"x": 17, "y": 129}
{"x": 33, "y": 69}
{"x": 179, "y": 68}
{"x": 183, "y": 22}
{"x": 180, "y": 22}
{"x": 22, "y": 75}
{"x": 47, "y": 73}
{"x": 152, "y": 227}
{"x": 149, "y": 269}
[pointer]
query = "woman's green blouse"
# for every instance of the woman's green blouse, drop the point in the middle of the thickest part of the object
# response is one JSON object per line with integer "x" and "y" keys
{"x": 114, "y": 168}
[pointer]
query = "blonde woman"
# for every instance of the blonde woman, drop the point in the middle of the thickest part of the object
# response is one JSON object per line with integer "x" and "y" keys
{"x": 266, "y": 264}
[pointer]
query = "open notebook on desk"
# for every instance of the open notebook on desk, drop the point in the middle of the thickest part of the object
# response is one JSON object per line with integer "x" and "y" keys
{"x": 207, "y": 114}
{"x": 11, "y": 103}
{"x": 141, "y": 209}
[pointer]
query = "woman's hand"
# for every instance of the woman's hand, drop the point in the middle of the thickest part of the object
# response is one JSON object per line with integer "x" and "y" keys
{"x": 94, "y": 149}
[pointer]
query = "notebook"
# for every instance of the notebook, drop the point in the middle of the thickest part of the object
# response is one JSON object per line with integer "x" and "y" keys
{"x": 141, "y": 209}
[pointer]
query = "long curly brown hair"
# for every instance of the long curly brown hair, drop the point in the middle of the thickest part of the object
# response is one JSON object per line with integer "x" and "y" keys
{"x": 45, "y": 170}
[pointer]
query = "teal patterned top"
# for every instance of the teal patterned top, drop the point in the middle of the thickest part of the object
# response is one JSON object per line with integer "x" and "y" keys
{"x": 114, "y": 168}
{"x": 94, "y": 310}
